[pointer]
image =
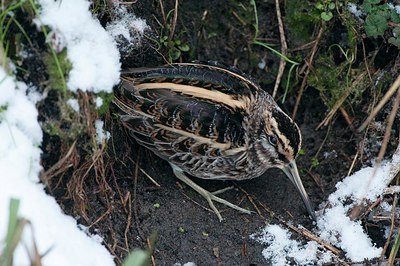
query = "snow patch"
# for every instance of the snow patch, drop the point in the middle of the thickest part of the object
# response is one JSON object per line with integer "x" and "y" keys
{"x": 333, "y": 225}
{"x": 282, "y": 250}
{"x": 74, "y": 104}
{"x": 54, "y": 232}
{"x": 99, "y": 102}
{"x": 354, "y": 10}
{"x": 101, "y": 134}
{"x": 126, "y": 29}
{"x": 92, "y": 52}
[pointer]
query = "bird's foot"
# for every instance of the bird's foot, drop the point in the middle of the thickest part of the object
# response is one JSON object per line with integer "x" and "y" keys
{"x": 209, "y": 196}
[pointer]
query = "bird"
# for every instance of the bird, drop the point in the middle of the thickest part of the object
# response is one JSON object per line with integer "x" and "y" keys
{"x": 209, "y": 121}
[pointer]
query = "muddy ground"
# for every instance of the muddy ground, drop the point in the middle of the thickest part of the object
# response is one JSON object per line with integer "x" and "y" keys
{"x": 127, "y": 208}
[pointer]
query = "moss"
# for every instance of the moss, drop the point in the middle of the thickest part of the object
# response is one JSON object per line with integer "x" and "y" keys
{"x": 51, "y": 128}
{"x": 301, "y": 18}
{"x": 55, "y": 80}
{"x": 333, "y": 80}
{"x": 107, "y": 98}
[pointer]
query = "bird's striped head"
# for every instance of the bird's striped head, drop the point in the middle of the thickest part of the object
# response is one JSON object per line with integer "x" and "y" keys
{"x": 278, "y": 143}
{"x": 279, "y": 138}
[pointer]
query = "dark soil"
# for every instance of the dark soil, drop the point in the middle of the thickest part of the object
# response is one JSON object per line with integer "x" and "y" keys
{"x": 127, "y": 208}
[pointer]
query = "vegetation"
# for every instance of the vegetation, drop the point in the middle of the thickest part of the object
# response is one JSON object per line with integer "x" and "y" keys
{"x": 16, "y": 226}
{"x": 380, "y": 18}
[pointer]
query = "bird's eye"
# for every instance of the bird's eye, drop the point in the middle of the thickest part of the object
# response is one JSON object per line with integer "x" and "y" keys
{"x": 273, "y": 140}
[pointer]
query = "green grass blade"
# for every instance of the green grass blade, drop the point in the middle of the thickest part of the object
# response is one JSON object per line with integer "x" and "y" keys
{"x": 287, "y": 59}
{"x": 13, "y": 224}
{"x": 13, "y": 219}
{"x": 395, "y": 249}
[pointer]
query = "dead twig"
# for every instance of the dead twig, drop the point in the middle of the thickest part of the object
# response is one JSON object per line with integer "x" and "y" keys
{"x": 163, "y": 12}
{"x": 389, "y": 126}
{"x": 370, "y": 208}
{"x": 238, "y": 18}
{"x": 60, "y": 167}
{"x": 394, "y": 171}
{"x": 389, "y": 238}
{"x": 365, "y": 59}
{"x": 339, "y": 102}
{"x": 395, "y": 86}
{"x": 305, "y": 232}
{"x": 173, "y": 22}
{"x": 134, "y": 205}
{"x": 101, "y": 217}
{"x": 302, "y": 47}
{"x": 128, "y": 2}
{"x": 317, "y": 180}
{"x": 251, "y": 201}
{"x": 150, "y": 248}
{"x": 353, "y": 163}
{"x": 129, "y": 220}
{"x": 308, "y": 64}
{"x": 349, "y": 120}
{"x": 282, "y": 61}
{"x": 149, "y": 177}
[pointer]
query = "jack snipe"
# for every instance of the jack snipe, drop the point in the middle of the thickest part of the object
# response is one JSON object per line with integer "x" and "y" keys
{"x": 211, "y": 122}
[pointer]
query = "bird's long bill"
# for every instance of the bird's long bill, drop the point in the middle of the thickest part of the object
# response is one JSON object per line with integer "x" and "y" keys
{"x": 293, "y": 174}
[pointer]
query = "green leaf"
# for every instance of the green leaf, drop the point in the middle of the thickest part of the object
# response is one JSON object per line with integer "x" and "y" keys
{"x": 163, "y": 38}
{"x": 331, "y": 6}
{"x": 174, "y": 53}
{"x": 327, "y": 16}
{"x": 367, "y": 5}
{"x": 394, "y": 17}
{"x": 184, "y": 47}
{"x": 319, "y": 6}
{"x": 375, "y": 24}
{"x": 314, "y": 162}
{"x": 395, "y": 41}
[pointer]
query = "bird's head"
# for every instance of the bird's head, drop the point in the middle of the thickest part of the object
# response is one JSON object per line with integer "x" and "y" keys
{"x": 278, "y": 143}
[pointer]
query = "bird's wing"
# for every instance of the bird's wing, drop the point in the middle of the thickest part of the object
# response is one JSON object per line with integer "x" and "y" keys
{"x": 186, "y": 110}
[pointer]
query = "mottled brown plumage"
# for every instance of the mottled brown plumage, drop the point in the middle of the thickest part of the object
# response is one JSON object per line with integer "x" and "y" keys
{"x": 209, "y": 121}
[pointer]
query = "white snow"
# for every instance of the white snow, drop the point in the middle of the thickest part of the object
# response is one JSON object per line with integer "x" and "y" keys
{"x": 280, "y": 248}
{"x": 354, "y": 10}
{"x": 397, "y": 9}
{"x": 95, "y": 67}
{"x": 99, "y": 102}
{"x": 126, "y": 29}
{"x": 337, "y": 228}
{"x": 101, "y": 134}
{"x": 190, "y": 263}
{"x": 91, "y": 50}
{"x": 333, "y": 224}
{"x": 21, "y": 136}
{"x": 73, "y": 103}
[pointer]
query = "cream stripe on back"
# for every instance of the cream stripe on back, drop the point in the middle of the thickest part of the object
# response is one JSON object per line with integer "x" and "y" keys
{"x": 197, "y": 92}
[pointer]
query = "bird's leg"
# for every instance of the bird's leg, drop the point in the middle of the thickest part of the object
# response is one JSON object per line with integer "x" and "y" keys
{"x": 220, "y": 191}
{"x": 209, "y": 196}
